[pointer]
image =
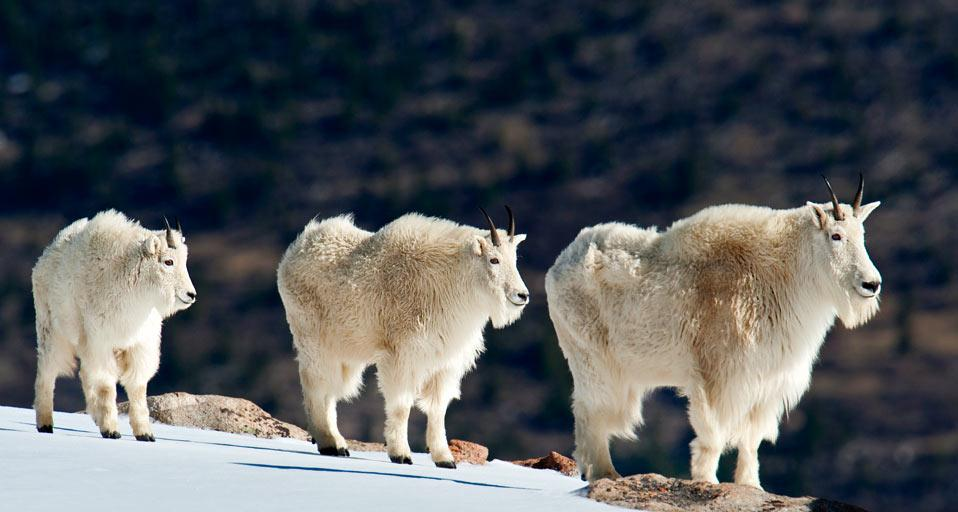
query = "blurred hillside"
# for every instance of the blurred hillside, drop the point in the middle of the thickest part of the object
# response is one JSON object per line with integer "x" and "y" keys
{"x": 247, "y": 118}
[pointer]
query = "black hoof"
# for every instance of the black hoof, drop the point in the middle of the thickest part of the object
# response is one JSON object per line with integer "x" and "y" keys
{"x": 146, "y": 437}
{"x": 446, "y": 464}
{"x": 402, "y": 459}
{"x": 334, "y": 452}
{"x": 110, "y": 435}
{"x": 583, "y": 478}
{"x": 45, "y": 429}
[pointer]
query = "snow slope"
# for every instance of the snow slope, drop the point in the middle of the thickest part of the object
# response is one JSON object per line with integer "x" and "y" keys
{"x": 189, "y": 469}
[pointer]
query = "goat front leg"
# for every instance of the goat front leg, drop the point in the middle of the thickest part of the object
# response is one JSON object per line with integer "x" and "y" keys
{"x": 137, "y": 366}
{"x": 399, "y": 396}
{"x": 761, "y": 423}
{"x": 746, "y": 469}
{"x": 709, "y": 439}
{"x": 98, "y": 376}
{"x": 439, "y": 390}
{"x": 139, "y": 413}
{"x": 99, "y": 389}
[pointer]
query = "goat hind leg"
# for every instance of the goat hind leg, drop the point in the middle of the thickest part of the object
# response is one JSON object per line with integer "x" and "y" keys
{"x": 55, "y": 356}
{"x": 592, "y": 444}
{"x": 320, "y": 397}
{"x": 43, "y": 393}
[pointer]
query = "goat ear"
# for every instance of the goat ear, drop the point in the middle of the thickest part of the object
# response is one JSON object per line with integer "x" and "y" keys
{"x": 480, "y": 245}
{"x": 819, "y": 214}
{"x": 151, "y": 246}
{"x": 518, "y": 239}
{"x": 867, "y": 210}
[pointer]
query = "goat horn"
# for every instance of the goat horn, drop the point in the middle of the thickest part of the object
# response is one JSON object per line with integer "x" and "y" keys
{"x": 492, "y": 229}
{"x": 169, "y": 233}
{"x": 512, "y": 223}
{"x": 837, "y": 211}
{"x": 857, "y": 203}
{"x": 178, "y": 226}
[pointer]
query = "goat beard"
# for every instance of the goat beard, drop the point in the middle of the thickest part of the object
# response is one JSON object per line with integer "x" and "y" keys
{"x": 505, "y": 313}
{"x": 857, "y": 310}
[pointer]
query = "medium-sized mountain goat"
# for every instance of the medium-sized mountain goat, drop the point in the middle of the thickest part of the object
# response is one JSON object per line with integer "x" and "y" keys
{"x": 730, "y": 306}
{"x": 411, "y": 298}
{"x": 101, "y": 291}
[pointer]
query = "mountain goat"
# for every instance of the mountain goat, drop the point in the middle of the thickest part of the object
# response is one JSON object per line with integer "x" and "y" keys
{"x": 101, "y": 291}
{"x": 413, "y": 299}
{"x": 730, "y": 306}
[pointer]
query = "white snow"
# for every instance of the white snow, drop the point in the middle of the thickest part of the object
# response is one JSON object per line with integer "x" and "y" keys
{"x": 186, "y": 469}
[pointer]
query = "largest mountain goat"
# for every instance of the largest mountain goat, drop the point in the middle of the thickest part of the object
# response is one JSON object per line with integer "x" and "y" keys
{"x": 101, "y": 291}
{"x": 412, "y": 299}
{"x": 730, "y": 305}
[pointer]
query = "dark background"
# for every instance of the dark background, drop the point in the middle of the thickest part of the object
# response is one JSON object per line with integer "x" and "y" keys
{"x": 247, "y": 118}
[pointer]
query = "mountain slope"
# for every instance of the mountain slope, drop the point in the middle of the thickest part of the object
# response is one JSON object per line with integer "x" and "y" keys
{"x": 191, "y": 469}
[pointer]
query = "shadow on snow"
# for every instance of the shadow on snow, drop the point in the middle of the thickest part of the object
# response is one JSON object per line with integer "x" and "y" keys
{"x": 379, "y": 473}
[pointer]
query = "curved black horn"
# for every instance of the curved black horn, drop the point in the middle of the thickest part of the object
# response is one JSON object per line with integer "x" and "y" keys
{"x": 857, "y": 203}
{"x": 178, "y": 226}
{"x": 169, "y": 233}
{"x": 837, "y": 211}
{"x": 512, "y": 223}
{"x": 492, "y": 229}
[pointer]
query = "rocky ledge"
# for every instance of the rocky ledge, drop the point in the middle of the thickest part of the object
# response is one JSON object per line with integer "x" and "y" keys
{"x": 227, "y": 414}
{"x": 240, "y": 416}
{"x": 656, "y": 493}
{"x": 651, "y": 492}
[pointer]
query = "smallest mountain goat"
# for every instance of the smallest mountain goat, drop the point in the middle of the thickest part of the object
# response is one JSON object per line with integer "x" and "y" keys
{"x": 412, "y": 299}
{"x": 101, "y": 291}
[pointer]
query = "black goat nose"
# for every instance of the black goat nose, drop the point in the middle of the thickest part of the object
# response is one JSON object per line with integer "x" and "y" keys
{"x": 523, "y": 296}
{"x": 872, "y": 286}
{"x": 191, "y": 295}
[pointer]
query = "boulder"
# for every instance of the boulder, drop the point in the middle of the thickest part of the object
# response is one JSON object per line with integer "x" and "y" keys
{"x": 554, "y": 461}
{"x": 464, "y": 451}
{"x": 363, "y": 446}
{"x": 228, "y": 414}
{"x": 215, "y": 412}
{"x": 656, "y": 493}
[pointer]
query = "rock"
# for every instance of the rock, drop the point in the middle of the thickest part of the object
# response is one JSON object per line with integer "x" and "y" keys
{"x": 215, "y": 412}
{"x": 554, "y": 461}
{"x": 657, "y": 493}
{"x": 362, "y": 446}
{"x": 228, "y": 414}
{"x": 464, "y": 451}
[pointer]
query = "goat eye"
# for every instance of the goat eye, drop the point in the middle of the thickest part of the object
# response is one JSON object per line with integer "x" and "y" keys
{"x": 836, "y": 237}
{"x": 494, "y": 261}
{"x": 168, "y": 263}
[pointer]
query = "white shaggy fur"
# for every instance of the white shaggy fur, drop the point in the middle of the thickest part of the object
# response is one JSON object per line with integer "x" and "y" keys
{"x": 730, "y": 306}
{"x": 412, "y": 299}
{"x": 101, "y": 291}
